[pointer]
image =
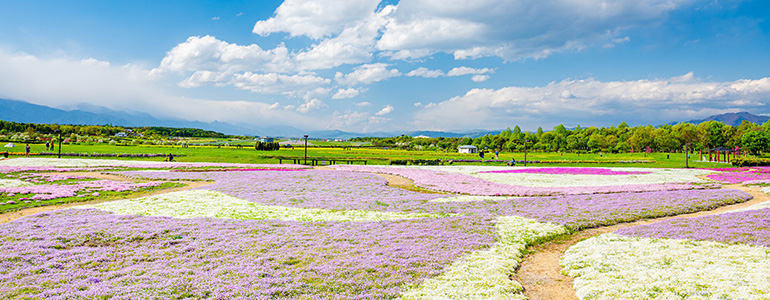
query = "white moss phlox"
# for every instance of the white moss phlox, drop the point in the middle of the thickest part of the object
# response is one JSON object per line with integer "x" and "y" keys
{"x": 486, "y": 274}
{"x": 212, "y": 204}
{"x": 9, "y": 183}
{"x": 612, "y": 266}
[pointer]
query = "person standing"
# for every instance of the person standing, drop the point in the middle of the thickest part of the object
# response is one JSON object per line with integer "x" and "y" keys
{"x": 26, "y": 151}
{"x": 46, "y": 146}
{"x": 496, "y": 154}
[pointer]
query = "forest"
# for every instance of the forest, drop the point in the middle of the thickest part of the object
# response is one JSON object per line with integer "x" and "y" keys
{"x": 748, "y": 136}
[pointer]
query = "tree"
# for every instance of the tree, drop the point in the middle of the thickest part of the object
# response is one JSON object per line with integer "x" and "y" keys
{"x": 755, "y": 141}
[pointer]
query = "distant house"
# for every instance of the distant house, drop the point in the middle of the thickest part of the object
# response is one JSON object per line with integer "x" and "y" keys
{"x": 266, "y": 140}
{"x": 468, "y": 149}
{"x": 121, "y": 134}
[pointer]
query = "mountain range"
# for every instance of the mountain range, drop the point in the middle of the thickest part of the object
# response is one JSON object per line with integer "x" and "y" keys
{"x": 24, "y": 112}
{"x": 732, "y": 119}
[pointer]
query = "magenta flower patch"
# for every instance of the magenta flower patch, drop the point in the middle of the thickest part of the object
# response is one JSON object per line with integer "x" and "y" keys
{"x": 569, "y": 171}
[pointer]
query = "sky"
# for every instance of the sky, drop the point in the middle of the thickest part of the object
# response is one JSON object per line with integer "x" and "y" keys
{"x": 372, "y": 66}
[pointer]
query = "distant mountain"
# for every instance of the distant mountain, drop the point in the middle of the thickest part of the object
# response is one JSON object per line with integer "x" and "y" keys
{"x": 86, "y": 114}
{"x": 732, "y": 119}
{"x": 23, "y": 112}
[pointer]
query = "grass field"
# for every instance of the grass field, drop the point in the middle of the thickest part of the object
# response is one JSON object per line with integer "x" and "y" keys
{"x": 247, "y": 154}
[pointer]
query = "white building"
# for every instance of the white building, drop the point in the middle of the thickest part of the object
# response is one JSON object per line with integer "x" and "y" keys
{"x": 468, "y": 149}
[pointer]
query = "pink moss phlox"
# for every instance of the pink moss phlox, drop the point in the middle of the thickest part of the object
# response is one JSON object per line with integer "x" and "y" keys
{"x": 570, "y": 171}
{"x": 465, "y": 184}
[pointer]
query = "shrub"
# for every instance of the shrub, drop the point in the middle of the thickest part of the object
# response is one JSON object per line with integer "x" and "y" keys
{"x": 750, "y": 161}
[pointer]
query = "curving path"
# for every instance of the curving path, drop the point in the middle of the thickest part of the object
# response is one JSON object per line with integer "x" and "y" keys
{"x": 540, "y": 272}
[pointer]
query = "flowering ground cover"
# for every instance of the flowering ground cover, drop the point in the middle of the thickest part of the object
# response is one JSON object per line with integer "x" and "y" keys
{"x": 337, "y": 190}
{"x": 308, "y": 234}
{"x": 716, "y": 256}
{"x": 649, "y": 176}
{"x": 452, "y": 180}
{"x": 754, "y": 175}
{"x": 612, "y": 266}
{"x": 571, "y": 171}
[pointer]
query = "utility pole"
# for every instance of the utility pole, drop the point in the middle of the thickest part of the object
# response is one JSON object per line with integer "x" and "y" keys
{"x": 306, "y": 149}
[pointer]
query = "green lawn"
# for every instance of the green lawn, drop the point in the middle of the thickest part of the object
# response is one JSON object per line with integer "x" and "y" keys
{"x": 247, "y": 154}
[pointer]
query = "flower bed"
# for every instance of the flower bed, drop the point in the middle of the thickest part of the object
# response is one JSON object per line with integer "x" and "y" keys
{"x": 612, "y": 266}
{"x": 53, "y": 191}
{"x": 92, "y": 254}
{"x": 569, "y": 171}
{"x": 750, "y": 227}
{"x": 455, "y": 182}
{"x": 312, "y": 234}
{"x": 338, "y": 190}
{"x": 211, "y": 204}
{"x": 756, "y": 175}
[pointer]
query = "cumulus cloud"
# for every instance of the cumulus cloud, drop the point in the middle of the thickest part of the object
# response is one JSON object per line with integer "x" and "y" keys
{"x": 363, "y": 104}
{"x": 385, "y": 110}
{"x": 367, "y": 74}
{"x": 460, "y": 71}
{"x": 208, "y": 53}
{"x": 479, "y": 78}
{"x": 315, "y": 18}
{"x": 585, "y": 100}
{"x": 313, "y": 104}
{"x": 291, "y": 85}
{"x": 346, "y": 93}
{"x": 425, "y": 72}
{"x": 514, "y": 30}
{"x": 65, "y": 82}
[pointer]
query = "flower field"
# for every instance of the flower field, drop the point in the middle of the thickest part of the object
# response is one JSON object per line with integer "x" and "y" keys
{"x": 293, "y": 232}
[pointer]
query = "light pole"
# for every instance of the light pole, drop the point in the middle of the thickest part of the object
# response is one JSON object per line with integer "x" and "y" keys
{"x": 59, "y": 132}
{"x": 525, "y": 152}
{"x": 306, "y": 149}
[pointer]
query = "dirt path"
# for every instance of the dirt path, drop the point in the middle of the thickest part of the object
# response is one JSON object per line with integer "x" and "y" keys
{"x": 540, "y": 272}
{"x": 10, "y": 216}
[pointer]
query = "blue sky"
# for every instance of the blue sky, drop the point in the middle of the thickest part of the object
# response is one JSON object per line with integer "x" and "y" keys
{"x": 368, "y": 65}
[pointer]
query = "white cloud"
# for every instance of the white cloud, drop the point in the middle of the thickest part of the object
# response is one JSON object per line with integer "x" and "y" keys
{"x": 313, "y": 104}
{"x": 315, "y": 18}
{"x": 587, "y": 100}
{"x": 64, "y": 82}
{"x": 479, "y": 78}
{"x": 514, "y": 30}
{"x": 215, "y": 18}
{"x": 363, "y": 104}
{"x": 345, "y": 93}
{"x": 366, "y": 74}
{"x": 425, "y": 72}
{"x": 209, "y": 54}
{"x": 385, "y": 110}
{"x": 294, "y": 85}
{"x": 460, "y": 71}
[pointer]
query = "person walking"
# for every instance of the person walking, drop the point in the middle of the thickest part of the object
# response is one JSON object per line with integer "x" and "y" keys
{"x": 496, "y": 154}
{"x": 26, "y": 151}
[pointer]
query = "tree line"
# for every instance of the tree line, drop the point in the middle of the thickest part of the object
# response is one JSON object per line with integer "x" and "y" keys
{"x": 623, "y": 138}
{"x": 7, "y": 127}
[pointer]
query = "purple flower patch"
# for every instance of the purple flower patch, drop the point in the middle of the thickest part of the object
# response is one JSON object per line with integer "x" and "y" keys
{"x": 747, "y": 227}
